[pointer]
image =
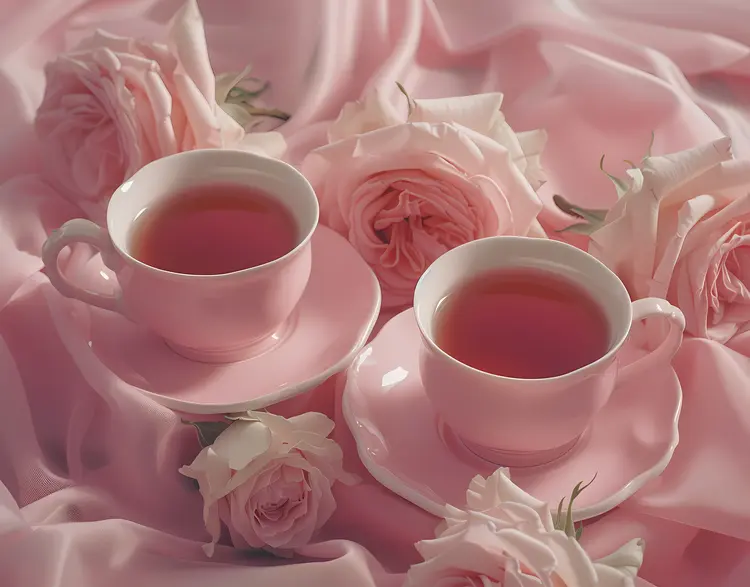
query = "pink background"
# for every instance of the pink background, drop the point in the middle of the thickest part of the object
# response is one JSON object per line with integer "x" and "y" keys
{"x": 89, "y": 489}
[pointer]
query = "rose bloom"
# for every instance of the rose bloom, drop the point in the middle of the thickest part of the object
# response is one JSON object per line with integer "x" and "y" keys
{"x": 405, "y": 192}
{"x": 115, "y": 104}
{"x": 269, "y": 480}
{"x": 502, "y": 542}
{"x": 680, "y": 231}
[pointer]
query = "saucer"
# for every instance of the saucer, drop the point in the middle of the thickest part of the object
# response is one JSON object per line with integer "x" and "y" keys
{"x": 331, "y": 323}
{"x": 404, "y": 445}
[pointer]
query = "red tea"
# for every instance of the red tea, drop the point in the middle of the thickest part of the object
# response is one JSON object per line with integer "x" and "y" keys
{"x": 522, "y": 323}
{"x": 213, "y": 229}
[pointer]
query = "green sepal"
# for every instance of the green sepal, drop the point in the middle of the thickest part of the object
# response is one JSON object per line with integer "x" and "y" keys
{"x": 567, "y": 525}
{"x": 620, "y": 185}
{"x": 410, "y": 103}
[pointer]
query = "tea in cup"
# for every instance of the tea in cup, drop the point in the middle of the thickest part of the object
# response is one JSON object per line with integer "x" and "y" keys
{"x": 521, "y": 340}
{"x": 210, "y": 248}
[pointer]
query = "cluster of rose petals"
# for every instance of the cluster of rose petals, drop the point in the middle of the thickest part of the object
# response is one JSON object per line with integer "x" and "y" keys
{"x": 506, "y": 538}
{"x": 405, "y": 191}
{"x": 681, "y": 231}
{"x": 269, "y": 479}
{"x": 115, "y": 104}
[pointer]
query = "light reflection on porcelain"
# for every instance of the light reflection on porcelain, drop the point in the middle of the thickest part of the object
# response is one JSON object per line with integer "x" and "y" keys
{"x": 393, "y": 377}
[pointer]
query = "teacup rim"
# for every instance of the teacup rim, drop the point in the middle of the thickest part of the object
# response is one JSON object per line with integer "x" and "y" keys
{"x": 590, "y": 367}
{"x": 131, "y": 260}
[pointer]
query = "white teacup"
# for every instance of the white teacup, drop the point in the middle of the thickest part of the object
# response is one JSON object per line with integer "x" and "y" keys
{"x": 211, "y": 318}
{"x": 513, "y": 421}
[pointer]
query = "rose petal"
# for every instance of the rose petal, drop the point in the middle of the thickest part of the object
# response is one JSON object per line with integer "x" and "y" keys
{"x": 366, "y": 115}
{"x": 727, "y": 181}
{"x": 739, "y": 210}
{"x": 627, "y": 559}
{"x": 212, "y": 475}
{"x": 532, "y": 145}
{"x": 313, "y": 423}
{"x": 572, "y": 564}
{"x": 268, "y": 144}
{"x": 477, "y": 112}
{"x": 187, "y": 40}
{"x": 688, "y": 217}
{"x": 667, "y": 173}
{"x": 485, "y": 495}
{"x": 242, "y": 443}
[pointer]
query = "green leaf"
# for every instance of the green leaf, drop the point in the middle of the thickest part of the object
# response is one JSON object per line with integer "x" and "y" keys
{"x": 243, "y": 97}
{"x": 409, "y": 100}
{"x": 270, "y": 112}
{"x": 208, "y": 432}
{"x": 239, "y": 95}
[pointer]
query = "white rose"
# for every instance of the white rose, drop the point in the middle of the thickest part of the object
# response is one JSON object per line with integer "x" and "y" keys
{"x": 514, "y": 543}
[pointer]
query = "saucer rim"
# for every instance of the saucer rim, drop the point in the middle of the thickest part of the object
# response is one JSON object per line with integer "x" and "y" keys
{"x": 392, "y": 482}
{"x": 55, "y": 303}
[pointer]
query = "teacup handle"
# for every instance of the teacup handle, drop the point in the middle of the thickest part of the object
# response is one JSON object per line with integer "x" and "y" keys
{"x": 649, "y": 308}
{"x": 80, "y": 231}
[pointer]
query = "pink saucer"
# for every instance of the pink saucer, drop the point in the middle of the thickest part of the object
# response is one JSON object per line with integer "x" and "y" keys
{"x": 331, "y": 323}
{"x": 404, "y": 446}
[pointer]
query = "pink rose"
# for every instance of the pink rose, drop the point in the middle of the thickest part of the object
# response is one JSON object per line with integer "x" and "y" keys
{"x": 711, "y": 281}
{"x": 511, "y": 542}
{"x": 404, "y": 193}
{"x": 679, "y": 232}
{"x": 479, "y": 112}
{"x": 269, "y": 480}
{"x": 115, "y": 104}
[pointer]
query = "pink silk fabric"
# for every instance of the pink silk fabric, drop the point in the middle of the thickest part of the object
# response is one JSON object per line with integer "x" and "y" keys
{"x": 89, "y": 489}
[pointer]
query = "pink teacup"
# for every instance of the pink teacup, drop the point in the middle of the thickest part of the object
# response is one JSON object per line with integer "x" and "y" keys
{"x": 210, "y": 318}
{"x": 519, "y": 422}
